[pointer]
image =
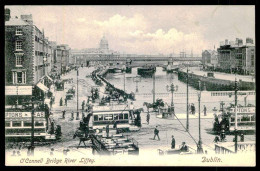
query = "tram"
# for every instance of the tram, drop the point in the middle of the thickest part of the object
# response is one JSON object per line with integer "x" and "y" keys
{"x": 126, "y": 119}
{"x": 226, "y": 120}
{"x": 18, "y": 126}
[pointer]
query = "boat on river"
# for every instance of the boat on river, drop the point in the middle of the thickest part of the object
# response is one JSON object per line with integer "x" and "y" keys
{"x": 146, "y": 70}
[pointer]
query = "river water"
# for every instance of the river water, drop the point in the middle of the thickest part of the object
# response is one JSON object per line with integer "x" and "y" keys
{"x": 162, "y": 79}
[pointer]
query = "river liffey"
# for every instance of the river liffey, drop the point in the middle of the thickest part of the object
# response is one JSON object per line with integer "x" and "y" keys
{"x": 162, "y": 79}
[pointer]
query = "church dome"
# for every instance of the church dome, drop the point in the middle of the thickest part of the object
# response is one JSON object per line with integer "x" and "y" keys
{"x": 103, "y": 44}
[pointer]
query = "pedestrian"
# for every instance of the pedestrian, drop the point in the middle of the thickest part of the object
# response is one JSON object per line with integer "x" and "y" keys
{"x": 63, "y": 114}
{"x": 61, "y": 102}
{"x": 222, "y": 135}
{"x": 156, "y": 133}
{"x": 52, "y": 150}
{"x": 66, "y": 101}
{"x": 184, "y": 147}
{"x": 107, "y": 130}
{"x": 173, "y": 142}
{"x": 192, "y": 109}
{"x": 51, "y": 103}
{"x": 72, "y": 115}
{"x": 205, "y": 111}
{"x": 83, "y": 115}
{"x": 83, "y": 105}
{"x": 242, "y": 137}
{"x": 148, "y": 118}
{"x": 216, "y": 140}
{"x": 52, "y": 128}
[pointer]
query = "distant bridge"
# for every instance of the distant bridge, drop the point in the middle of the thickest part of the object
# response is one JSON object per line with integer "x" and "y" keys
{"x": 118, "y": 58}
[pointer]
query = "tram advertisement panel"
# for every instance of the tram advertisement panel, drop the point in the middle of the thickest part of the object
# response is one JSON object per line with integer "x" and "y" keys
{"x": 24, "y": 114}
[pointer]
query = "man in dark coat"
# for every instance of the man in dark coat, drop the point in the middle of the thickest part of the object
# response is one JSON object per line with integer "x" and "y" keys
{"x": 173, "y": 142}
{"x": 156, "y": 133}
{"x": 107, "y": 130}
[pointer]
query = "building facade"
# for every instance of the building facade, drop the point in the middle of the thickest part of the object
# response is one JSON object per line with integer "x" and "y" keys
{"x": 210, "y": 58}
{"x": 237, "y": 57}
{"x": 27, "y": 58}
{"x": 62, "y": 57}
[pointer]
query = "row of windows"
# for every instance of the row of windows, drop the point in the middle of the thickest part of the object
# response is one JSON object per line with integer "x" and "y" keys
{"x": 19, "y": 60}
{"x": 108, "y": 117}
{"x": 244, "y": 118}
{"x": 23, "y": 124}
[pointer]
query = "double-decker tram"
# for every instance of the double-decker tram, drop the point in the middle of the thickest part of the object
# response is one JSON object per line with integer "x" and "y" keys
{"x": 18, "y": 126}
{"x": 121, "y": 115}
{"x": 226, "y": 120}
{"x": 245, "y": 119}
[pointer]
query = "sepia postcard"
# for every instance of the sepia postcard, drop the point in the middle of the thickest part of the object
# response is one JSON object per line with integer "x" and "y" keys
{"x": 130, "y": 85}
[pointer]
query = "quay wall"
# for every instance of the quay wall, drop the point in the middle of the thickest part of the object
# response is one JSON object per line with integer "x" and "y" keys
{"x": 213, "y": 84}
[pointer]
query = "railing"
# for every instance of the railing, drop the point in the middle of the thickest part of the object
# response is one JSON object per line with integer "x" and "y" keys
{"x": 242, "y": 147}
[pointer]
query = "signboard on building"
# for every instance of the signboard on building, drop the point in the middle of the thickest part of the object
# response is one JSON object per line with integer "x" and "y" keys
{"x": 18, "y": 90}
{"x": 243, "y": 110}
{"x": 24, "y": 114}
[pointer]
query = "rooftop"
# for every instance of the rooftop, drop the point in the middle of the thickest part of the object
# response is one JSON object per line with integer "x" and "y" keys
{"x": 15, "y": 22}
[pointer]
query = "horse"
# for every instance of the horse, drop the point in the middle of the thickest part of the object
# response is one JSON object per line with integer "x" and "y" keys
{"x": 82, "y": 137}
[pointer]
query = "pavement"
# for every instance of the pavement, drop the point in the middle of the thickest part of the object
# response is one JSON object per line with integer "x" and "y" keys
{"x": 224, "y": 76}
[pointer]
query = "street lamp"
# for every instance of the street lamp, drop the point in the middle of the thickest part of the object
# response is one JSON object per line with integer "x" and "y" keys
{"x": 136, "y": 80}
{"x": 124, "y": 70}
{"x": 199, "y": 148}
{"x": 172, "y": 89}
{"x": 77, "y": 118}
{"x": 44, "y": 60}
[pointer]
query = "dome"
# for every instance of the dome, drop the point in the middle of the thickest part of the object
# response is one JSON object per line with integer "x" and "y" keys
{"x": 103, "y": 44}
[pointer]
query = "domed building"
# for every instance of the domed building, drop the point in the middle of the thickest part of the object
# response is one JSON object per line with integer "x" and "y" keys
{"x": 103, "y": 45}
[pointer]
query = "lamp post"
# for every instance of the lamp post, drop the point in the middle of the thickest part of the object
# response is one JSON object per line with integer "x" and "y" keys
{"x": 136, "y": 80}
{"x": 124, "y": 71}
{"x": 199, "y": 148}
{"x": 236, "y": 89}
{"x": 187, "y": 123}
{"x": 172, "y": 89}
{"x": 44, "y": 60}
{"x": 77, "y": 118}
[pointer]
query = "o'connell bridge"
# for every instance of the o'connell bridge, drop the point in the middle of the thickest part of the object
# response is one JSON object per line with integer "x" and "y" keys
{"x": 158, "y": 61}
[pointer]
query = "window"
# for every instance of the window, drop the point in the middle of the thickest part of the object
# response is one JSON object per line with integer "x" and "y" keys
{"x": 17, "y": 123}
{"x": 120, "y": 116}
{"x": 115, "y": 116}
{"x": 19, "y": 77}
{"x": 18, "y": 60}
{"x": 95, "y": 117}
{"x": 7, "y": 124}
{"x": 27, "y": 124}
{"x": 18, "y": 45}
{"x": 18, "y": 31}
{"x": 38, "y": 123}
{"x": 100, "y": 117}
{"x": 125, "y": 116}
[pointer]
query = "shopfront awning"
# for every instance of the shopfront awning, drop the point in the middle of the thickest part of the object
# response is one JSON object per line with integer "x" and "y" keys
{"x": 42, "y": 87}
{"x": 49, "y": 78}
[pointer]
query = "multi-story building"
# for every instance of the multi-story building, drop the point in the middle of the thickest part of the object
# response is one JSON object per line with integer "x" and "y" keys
{"x": 210, "y": 58}
{"x": 237, "y": 57}
{"x": 81, "y": 57}
{"x": 61, "y": 57}
{"x": 27, "y": 59}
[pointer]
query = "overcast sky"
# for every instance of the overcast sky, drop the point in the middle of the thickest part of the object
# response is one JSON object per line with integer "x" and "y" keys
{"x": 143, "y": 29}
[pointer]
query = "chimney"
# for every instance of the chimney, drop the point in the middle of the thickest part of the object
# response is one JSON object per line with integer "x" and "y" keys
{"x": 249, "y": 40}
{"x": 226, "y": 42}
{"x": 7, "y": 14}
{"x": 27, "y": 18}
